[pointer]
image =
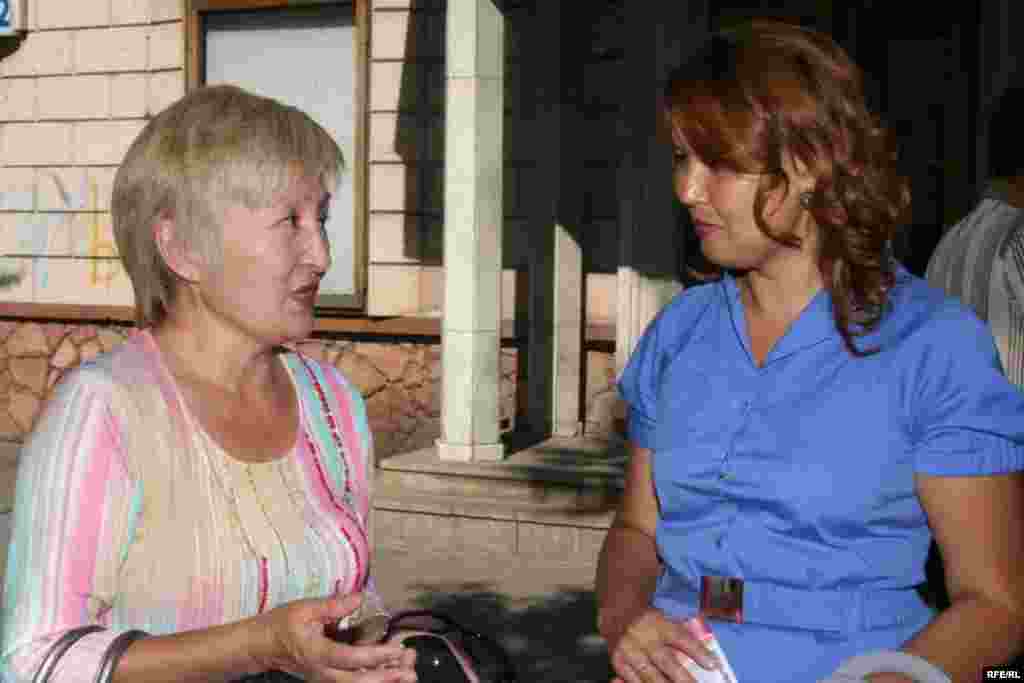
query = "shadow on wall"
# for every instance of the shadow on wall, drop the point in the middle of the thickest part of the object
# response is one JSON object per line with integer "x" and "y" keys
{"x": 550, "y": 640}
{"x": 419, "y": 134}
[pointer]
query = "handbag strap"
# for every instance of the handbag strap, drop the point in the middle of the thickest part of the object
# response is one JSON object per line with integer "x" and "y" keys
{"x": 392, "y": 624}
{"x": 57, "y": 650}
{"x": 114, "y": 653}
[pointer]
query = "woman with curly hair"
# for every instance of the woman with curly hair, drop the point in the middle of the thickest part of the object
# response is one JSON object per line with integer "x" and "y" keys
{"x": 804, "y": 422}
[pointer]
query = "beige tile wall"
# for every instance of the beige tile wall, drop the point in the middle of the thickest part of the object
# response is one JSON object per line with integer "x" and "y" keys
{"x": 73, "y": 95}
{"x": 78, "y": 88}
{"x": 81, "y": 83}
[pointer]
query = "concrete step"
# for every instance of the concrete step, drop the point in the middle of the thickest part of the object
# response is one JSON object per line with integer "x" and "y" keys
{"x": 508, "y": 548}
{"x": 548, "y": 505}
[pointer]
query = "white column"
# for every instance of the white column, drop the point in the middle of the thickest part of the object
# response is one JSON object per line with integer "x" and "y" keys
{"x": 474, "y": 160}
{"x": 568, "y": 335}
{"x": 564, "y": 141}
{"x": 555, "y": 316}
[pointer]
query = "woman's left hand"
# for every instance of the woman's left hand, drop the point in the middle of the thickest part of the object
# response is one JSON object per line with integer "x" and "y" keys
{"x": 653, "y": 649}
{"x": 297, "y": 644}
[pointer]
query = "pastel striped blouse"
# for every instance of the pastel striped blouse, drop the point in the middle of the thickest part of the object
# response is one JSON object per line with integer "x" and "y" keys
{"x": 129, "y": 515}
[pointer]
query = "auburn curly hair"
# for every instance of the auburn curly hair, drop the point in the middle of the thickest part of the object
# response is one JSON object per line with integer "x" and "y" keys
{"x": 755, "y": 94}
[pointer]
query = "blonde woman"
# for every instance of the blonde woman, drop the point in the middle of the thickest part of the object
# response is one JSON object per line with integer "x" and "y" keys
{"x": 202, "y": 484}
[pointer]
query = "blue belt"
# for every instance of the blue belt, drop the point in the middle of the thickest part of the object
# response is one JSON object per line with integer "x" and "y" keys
{"x": 769, "y": 604}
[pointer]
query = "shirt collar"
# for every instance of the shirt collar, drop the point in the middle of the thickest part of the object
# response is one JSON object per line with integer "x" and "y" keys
{"x": 814, "y": 325}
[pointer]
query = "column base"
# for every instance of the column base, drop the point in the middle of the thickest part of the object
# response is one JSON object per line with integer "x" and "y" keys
{"x": 568, "y": 430}
{"x": 470, "y": 452}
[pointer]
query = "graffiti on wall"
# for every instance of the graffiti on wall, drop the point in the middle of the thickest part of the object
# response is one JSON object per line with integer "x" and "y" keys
{"x": 76, "y": 229}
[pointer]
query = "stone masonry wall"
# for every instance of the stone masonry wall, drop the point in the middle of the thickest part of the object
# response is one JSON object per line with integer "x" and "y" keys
{"x": 400, "y": 381}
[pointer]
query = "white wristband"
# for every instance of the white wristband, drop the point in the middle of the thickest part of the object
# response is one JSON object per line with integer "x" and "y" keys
{"x": 889, "y": 661}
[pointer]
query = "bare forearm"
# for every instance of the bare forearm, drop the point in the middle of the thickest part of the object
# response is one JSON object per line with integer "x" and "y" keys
{"x": 222, "y": 653}
{"x": 627, "y": 572}
{"x": 973, "y": 633}
{"x": 977, "y": 522}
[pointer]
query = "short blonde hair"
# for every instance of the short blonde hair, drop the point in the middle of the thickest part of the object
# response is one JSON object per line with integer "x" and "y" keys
{"x": 217, "y": 146}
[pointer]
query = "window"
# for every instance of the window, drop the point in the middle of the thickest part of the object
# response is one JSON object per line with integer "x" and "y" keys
{"x": 311, "y": 55}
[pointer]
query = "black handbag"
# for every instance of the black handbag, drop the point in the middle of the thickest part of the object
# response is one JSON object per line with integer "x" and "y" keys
{"x": 446, "y": 651}
{"x": 107, "y": 665}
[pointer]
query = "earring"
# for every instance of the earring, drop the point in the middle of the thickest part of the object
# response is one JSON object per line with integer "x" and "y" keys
{"x": 805, "y": 199}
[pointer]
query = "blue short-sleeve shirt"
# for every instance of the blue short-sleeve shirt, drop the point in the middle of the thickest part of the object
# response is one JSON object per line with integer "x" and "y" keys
{"x": 800, "y": 473}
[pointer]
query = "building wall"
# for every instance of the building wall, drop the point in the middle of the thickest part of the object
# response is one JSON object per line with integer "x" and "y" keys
{"x": 400, "y": 381}
{"x": 79, "y": 86}
{"x": 406, "y": 156}
{"x": 74, "y": 92}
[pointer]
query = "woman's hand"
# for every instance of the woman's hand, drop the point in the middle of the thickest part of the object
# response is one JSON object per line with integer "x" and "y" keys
{"x": 652, "y": 649}
{"x": 295, "y": 643}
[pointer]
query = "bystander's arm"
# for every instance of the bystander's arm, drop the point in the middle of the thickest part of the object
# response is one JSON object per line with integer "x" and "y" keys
{"x": 979, "y": 526}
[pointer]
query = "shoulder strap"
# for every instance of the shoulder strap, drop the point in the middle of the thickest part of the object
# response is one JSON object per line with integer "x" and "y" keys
{"x": 57, "y": 650}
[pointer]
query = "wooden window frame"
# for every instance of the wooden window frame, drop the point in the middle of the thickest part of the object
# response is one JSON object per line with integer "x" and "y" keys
{"x": 337, "y": 314}
{"x": 329, "y": 305}
{"x": 330, "y": 319}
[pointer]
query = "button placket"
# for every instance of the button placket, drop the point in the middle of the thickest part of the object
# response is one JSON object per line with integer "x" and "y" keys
{"x": 743, "y": 406}
{"x": 722, "y": 538}
{"x": 723, "y": 465}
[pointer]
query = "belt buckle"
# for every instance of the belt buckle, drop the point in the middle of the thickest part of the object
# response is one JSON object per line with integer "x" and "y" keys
{"x": 721, "y": 597}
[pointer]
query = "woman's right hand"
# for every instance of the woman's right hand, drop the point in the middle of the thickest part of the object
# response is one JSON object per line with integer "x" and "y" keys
{"x": 652, "y": 649}
{"x": 294, "y": 642}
